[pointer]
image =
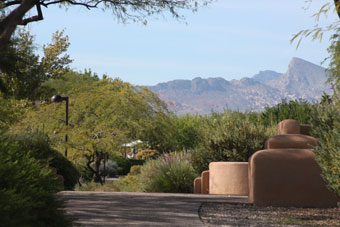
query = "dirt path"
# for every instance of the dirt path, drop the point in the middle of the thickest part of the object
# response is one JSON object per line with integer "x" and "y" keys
{"x": 139, "y": 209}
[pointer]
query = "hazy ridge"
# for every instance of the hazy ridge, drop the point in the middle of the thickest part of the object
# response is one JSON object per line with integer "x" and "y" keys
{"x": 303, "y": 80}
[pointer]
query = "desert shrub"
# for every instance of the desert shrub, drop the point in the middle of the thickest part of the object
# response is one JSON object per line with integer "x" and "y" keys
{"x": 229, "y": 136}
{"x": 124, "y": 164}
{"x": 135, "y": 170}
{"x": 326, "y": 128}
{"x": 147, "y": 154}
{"x": 27, "y": 189}
{"x": 111, "y": 169}
{"x": 129, "y": 183}
{"x": 299, "y": 110}
{"x": 87, "y": 186}
{"x": 168, "y": 173}
{"x": 39, "y": 146}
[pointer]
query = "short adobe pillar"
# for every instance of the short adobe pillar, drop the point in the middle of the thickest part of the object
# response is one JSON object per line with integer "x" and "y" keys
{"x": 228, "y": 178}
{"x": 197, "y": 185}
{"x": 205, "y": 182}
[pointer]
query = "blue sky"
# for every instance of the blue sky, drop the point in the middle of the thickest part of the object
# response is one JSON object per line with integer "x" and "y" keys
{"x": 230, "y": 39}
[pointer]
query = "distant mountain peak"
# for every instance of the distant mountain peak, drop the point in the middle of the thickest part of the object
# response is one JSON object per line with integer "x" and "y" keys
{"x": 297, "y": 62}
{"x": 266, "y": 76}
{"x": 303, "y": 80}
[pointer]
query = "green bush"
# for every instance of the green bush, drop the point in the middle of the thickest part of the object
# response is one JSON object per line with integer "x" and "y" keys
{"x": 27, "y": 189}
{"x": 326, "y": 128}
{"x": 40, "y": 148}
{"x": 299, "y": 110}
{"x": 168, "y": 173}
{"x": 229, "y": 136}
{"x": 135, "y": 170}
{"x": 124, "y": 164}
{"x": 129, "y": 183}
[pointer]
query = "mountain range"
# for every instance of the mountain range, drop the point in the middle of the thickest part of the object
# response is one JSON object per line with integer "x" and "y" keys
{"x": 303, "y": 80}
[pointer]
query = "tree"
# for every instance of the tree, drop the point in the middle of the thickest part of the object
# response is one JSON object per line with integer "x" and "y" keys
{"x": 11, "y": 111}
{"x": 104, "y": 115}
{"x": 325, "y": 118}
{"x": 24, "y": 71}
{"x": 188, "y": 133}
{"x": 15, "y": 11}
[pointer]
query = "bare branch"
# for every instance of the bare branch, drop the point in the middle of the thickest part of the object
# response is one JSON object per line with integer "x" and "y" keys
{"x": 33, "y": 18}
{"x": 87, "y": 5}
{"x": 12, "y": 3}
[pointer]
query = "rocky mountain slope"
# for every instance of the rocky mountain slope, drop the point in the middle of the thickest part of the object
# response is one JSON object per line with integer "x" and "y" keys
{"x": 303, "y": 80}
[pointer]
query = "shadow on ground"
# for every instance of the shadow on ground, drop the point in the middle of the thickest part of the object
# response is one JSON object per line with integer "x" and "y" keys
{"x": 138, "y": 209}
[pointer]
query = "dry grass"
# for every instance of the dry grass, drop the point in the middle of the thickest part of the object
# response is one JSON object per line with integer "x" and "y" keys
{"x": 229, "y": 214}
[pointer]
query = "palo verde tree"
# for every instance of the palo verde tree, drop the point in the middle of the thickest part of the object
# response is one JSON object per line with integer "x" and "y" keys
{"x": 15, "y": 12}
{"x": 104, "y": 115}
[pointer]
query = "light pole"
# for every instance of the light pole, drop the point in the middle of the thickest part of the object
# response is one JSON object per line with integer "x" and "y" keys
{"x": 58, "y": 98}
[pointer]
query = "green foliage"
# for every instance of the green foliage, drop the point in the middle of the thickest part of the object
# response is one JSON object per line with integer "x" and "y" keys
{"x": 326, "y": 128}
{"x": 299, "y": 110}
{"x": 124, "y": 164}
{"x": 85, "y": 173}
{"x": 229, "y": 136}
{"x": 25, "y": 72}
{"x": 334, "y": 58}
{"x": 11, "y": 111}
{"x": 70, "y": 81}
{"x": 135, "y": 170}
{"x": 103, "y": 115}
{"x": 27, "y": 189}
{"x": 147, "y": 154}
{"x": 39, "y": 147}
{"x": 129, "y": 183}
{"x": 89, "y": 186}
{"x": 316, "y": 33}
{"x": 168, "y": 173}
{"x": 187, "y": 131}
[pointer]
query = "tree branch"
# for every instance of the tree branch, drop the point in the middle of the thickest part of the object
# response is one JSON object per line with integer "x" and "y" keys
{"x": 87, "y": 5}
{"x": 34, "y": 18}
{"x": 116, "y": 2}
{"x": 337, "y": 7}
{"x": 13, "y": 3}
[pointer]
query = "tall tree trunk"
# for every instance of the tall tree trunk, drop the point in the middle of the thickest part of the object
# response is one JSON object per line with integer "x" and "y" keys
{"x": 99, "y": 158}
{"x": 11, "y": 21}
{"x": 96, "y": 158}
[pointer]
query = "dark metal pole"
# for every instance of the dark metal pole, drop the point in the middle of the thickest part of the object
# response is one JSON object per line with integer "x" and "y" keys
{"x": 58, "y": 98}
{"x": 104, "y": 167}
{"x": 66, "y": 121}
